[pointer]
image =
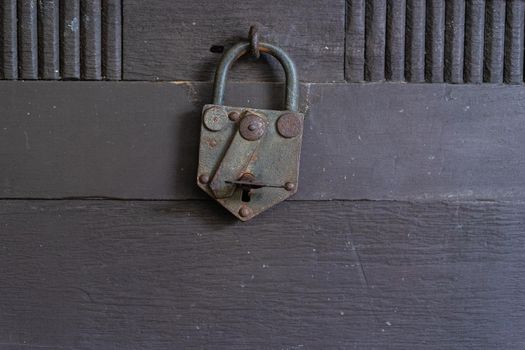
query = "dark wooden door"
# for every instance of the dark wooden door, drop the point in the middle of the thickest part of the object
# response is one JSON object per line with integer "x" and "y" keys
{"x": 408, "y": 230}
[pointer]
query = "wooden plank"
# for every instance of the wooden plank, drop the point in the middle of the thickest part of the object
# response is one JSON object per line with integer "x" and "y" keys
{"x": 112, "y": 39}
{"x": 395, "y": 41}
{"x": 514, "y": 45}
{"x": 355, "y": 41}
{"x": 8, "y": 40}
{"x": 91, "y": 39}
{"x": 375, "y": 40}
{"x": 48, "y": 39}
{"x": 454, "y": 41}
{"x": 362, "y": 141}
{"x": 174, "y": 40}
{"x": 494, "y": 41}
{"x": 474, "y": 35}
{"x": 70, "y": 39}
{"x": 27, "y": 39}
{"x": 312, "y": 275}
{"x": 415, "y": 41}
{"x": 435, "y": 41}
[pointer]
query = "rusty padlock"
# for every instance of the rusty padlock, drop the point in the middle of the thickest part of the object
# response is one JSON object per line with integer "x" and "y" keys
{"x": 249, "y": 158}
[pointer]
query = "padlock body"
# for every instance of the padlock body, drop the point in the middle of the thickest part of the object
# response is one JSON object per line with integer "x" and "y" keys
{"x": 260, "y": 145}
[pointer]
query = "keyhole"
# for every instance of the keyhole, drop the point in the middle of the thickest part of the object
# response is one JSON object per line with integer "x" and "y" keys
{"x": 245, "y": 196}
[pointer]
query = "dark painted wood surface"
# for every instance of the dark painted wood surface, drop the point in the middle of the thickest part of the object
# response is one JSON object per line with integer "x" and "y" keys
{"x": 185, "y": 275}
{"x": 362, "y": 141}
{"x": 172, "y": 40}
{"x": 8, "y": 40}
{"x": 42, "y": 39}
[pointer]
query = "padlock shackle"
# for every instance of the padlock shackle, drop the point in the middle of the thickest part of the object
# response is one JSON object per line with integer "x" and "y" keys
{"x": 240, "y": 49}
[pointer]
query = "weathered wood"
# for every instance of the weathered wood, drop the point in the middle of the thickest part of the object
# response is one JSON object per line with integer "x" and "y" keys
{"x": 415, "y": 44}
{"x": 112, "y": 39}
{"x": 355, "y": 40}
{"x": 435, "y": 41}
{"x": 514, "y": 41}
{"x": 375, "y": 40}
{"x": 494, "y": 41}
{"x": 474, "y": 34}
{"x": 395, "y": 40}
{"x": 91, "y": 39}
{"x": 171, "y": 40}
{"x": 27, "y": 39}
{"x": 70, "y": 39}
{"x": 454, "y": 40}
{"x": 371, "y": 141}
{"x": 8, "y": 40}
{"x": 48, "y": 39}
{"x": 185, "y": 275}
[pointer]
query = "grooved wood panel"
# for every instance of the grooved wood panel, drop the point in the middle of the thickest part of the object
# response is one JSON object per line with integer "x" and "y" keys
{"x": 362, "y": 141}
{"x": 453, "y": 41}
{"x": 185, "y": 275}
{"x": 8, "y": 40}
{"x": 45, "y": 39}
{"x": 173, "y": 40}
{"x": 415, "y": 65}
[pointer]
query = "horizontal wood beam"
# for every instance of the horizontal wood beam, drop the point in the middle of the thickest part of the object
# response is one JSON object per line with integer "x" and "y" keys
{"x": 184, "y": 39}
{"x": 362, "y": 141}
{"x": 185, "y": 275}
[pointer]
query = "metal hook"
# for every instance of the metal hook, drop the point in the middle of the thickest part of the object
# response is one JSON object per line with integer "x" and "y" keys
{"x": 254, "y": 41}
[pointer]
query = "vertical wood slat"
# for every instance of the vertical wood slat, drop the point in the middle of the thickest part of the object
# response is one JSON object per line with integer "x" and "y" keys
{"x": 415, "y": 45}
{"x": 474, "y": 40}
{"x": 27, "y": 39}
{"x": 8, "y": 34}
{"x": 435, "y": 41}
{"x": 48, "y": 39}
{"x": 375, "y": 40}
{"x": 112, "y": 39}
{"x": 70, "y": 39}
{"x": 395, "y": 40}
{"x": 514, "y": 42}
{"x": 355, "y": 40}
{"x": 454, "y": 40}
{"x": 91, "y": 40}
{"x": 494, "y": 41}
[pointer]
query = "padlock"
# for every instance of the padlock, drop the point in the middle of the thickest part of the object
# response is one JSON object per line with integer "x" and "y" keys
{"x": 249, "y": 158}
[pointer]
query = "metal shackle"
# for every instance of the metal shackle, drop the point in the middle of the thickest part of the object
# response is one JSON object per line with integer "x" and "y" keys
{"x": 239, "y": 50}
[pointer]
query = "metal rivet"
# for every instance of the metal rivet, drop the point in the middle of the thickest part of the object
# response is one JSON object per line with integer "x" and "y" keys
{"x": 215, "y": 118}
{"x": 234, "y": 116}
{"x": 245, "y": 212}
{"x": 289, "y": 186}
{"x": 289, "y": 125}
{"x": 204, "y": 179}
{"x": 252, "y": 127}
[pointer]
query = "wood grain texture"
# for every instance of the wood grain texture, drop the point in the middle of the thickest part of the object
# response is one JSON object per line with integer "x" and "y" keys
{"x": 375, "y": 40}
{"x": 112, "y": 39}
{"x": 91, "y": 39}
{"x": 454, "y": 40}
{"x": 474, "y": 43}
{"x": 395, "y": 40}
{"x": 435, "y": 41}
{"x": 70, "y": 39}
{"x": 172, "y": 40}
{"x": 494, "y": 41}
{"x": 351, "y": 275}
{"x": 415, "y": 44}
{"x": 49, "y": 39}
{"x": 514, "y": 41}
{"x": 27, "y": 39}
{"x": 8, "y": 40}
{"x": 355, "y": 40}
{"x": 362, "y": 141}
